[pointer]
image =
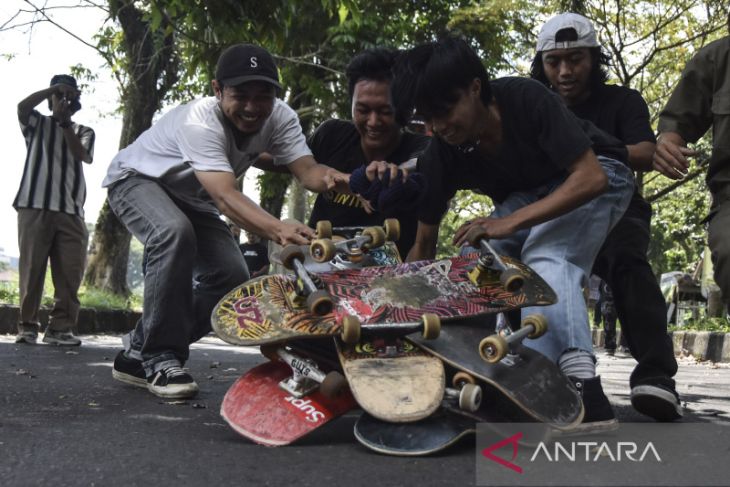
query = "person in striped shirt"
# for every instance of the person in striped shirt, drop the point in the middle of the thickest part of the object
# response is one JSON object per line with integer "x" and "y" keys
{"x": 50, "y": 206}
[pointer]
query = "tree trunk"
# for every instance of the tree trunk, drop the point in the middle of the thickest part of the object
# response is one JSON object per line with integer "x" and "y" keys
{"x": 151, "y": 65}
{"x": 297, "y": 201}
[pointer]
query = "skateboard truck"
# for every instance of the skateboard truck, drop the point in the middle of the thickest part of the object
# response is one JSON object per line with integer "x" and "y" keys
{"x": 306, "y": 376}
{"x": 495, "y": 347}
{"x": 324, "y": 249}
{"x": 465, "y": 392}
{"x": 490, "y": 267}
{"x": 469, "y": 396}
{"x": 309, "y": 290}
{"x": 352, "y": 329}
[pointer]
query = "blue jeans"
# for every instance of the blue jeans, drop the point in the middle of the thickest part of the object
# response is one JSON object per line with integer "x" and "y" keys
{"x": 562, "y": 251}
{"x": 191, "y": 261}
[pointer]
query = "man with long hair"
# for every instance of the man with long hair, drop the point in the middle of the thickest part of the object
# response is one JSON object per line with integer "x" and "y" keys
{"x": 571, "y": 62}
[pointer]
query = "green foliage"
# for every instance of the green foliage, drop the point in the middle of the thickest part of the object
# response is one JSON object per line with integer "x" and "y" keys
{"x": 88, "y": 297}
{"x": 678, "y": 233}
{"x": 465, "y": 205}
{"x": 503, "y": 31}
{"x": 98, "y": 299}
{"x": 704, "y": 324}
{"x": 9, "y": 292}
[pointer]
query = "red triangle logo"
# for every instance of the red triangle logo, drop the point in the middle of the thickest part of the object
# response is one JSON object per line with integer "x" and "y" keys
{"x": 514, "y": 441}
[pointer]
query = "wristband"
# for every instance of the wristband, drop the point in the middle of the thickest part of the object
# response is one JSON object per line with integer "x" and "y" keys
{"x": 64, "y": 125}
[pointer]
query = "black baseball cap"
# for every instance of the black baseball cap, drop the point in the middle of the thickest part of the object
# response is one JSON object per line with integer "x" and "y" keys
{"x": 241, "y": 63}
{"x": 65, "y": 79}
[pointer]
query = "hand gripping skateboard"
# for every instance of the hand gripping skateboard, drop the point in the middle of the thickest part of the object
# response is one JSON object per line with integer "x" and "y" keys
{"x": 259, "y": 407}
{"x": 272, "y": 309}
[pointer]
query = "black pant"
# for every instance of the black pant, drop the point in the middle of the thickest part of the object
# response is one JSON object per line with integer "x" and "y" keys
{"x": 622, "y": 263}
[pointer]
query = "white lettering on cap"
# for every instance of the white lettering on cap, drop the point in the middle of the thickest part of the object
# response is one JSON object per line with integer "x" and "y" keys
{"x": 254, "y": 62}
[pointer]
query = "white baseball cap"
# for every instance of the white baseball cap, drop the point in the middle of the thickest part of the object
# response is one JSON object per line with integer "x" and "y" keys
{"x": 582, "y": 26}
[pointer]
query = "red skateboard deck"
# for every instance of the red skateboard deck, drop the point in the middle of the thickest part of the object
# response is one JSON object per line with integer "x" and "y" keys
{"x": 257, "y": 408}
{"x": 261, "y": 311}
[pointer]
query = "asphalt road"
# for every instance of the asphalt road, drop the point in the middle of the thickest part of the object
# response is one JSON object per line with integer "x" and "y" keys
{"x": 65, "y": 421}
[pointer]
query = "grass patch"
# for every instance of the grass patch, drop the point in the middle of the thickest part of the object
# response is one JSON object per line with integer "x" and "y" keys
{"x": 704, "y": 324}
{"x": 88, "y": 297}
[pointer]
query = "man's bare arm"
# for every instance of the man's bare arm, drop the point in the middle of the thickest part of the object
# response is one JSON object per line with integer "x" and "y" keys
{"x": 640, "y": 155}
{"x": 585, "y": 181}
{"x": 318, "y": 177}
{"x": 245, "y": 213}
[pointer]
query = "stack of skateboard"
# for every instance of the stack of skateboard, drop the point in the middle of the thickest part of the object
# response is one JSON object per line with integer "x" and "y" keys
{"x": 366, "y": 330}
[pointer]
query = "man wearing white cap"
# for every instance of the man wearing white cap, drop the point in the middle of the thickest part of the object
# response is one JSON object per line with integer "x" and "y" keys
{"x": 170, "y": 186}
{"x": 570, "y": 61}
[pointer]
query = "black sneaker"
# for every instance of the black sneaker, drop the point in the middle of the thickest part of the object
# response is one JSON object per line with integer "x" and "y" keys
{"x": 129, "y": 370}
{"x": 656, "y": 401}
{"x": 173, "y": 383}
{"x": 599, "y": 416}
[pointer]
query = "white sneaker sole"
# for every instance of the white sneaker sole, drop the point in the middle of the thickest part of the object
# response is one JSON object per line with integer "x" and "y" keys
{"x": 656, "y": 403}
{"x": 175, "y": 391}
{"x": 61, "y": 343}
{"x": 129, "y": 379}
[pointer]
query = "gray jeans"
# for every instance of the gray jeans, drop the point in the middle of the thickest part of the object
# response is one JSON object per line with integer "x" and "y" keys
{"x": 191, "y": 261}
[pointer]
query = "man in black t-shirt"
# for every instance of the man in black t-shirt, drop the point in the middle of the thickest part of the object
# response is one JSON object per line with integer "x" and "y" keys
{"x": 372, "y": 135}
{"x": 555, "y": 192}
{"x": 570, "y": 60}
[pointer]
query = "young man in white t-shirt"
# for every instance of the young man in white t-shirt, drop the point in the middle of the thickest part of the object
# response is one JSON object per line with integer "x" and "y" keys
{"x": 169, "y": 188}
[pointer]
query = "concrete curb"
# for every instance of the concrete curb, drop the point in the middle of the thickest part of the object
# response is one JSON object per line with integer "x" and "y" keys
{"x": 703, "y": 345}
{"x": 90, "y": 320}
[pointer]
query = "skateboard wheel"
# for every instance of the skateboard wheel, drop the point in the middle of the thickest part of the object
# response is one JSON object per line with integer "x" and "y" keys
{"x": 324, "y": 229}
{"x": 322, "y": 250}
{"x": 333, "y": 384}
{"x": 493, "y": 349}
{"x": 462, "y": 378}
{"x": 512, "y": 279}
{"x": 269, "y": 351}
{"x": 475, "y": 235}
{"x": 350, "y": 329}
{"x": 377, "y": 237}
{"x": 320, "y": 302}
{"x": 431, "y": 326}
{"x": 538, "y": 322}
{"x": 470, "y": 397}
{"x": 289, "y": 253}
{"x": 392, "y": 229}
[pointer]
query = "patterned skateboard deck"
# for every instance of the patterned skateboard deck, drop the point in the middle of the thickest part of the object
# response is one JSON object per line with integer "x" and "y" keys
{"x": 392, "y": 379}
{"x": 257, "y": 408}
{"x": 261, "y": 311}
{"x": 525, "y": 378}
